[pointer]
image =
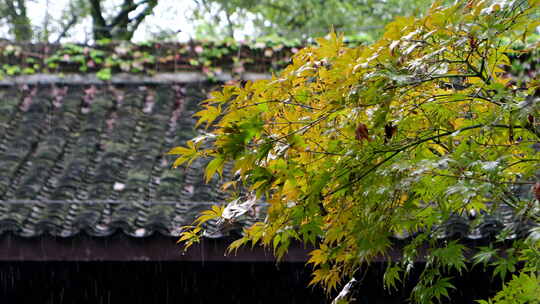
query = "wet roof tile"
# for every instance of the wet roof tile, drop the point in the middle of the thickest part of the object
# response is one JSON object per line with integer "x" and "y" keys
{"x": 92, "y": 158}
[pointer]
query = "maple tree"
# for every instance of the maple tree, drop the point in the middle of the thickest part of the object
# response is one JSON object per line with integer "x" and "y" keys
{"x": 350, "y": 146}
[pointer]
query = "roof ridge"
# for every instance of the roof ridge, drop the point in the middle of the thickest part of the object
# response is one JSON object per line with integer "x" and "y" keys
{"x": 126, "y": 78}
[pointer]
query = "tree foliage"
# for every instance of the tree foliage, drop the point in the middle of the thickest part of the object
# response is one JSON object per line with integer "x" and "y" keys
{"x": 14, "y": 11}
{"x": 362, "y": 19}
{"x": 109, "y": 21}
{"x": 23, "y": 28}
{"x": 351, "y": 146}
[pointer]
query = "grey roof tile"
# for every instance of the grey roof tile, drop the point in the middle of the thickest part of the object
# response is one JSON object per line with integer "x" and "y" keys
{"x": 92, "y": 159}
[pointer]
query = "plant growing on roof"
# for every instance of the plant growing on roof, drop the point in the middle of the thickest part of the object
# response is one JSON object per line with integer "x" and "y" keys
{"x": 107, "y": 58}
{"x": 351, "y": 146}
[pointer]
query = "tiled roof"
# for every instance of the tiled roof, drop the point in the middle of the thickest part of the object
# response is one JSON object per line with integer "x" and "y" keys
{"x": 91, "y": 158}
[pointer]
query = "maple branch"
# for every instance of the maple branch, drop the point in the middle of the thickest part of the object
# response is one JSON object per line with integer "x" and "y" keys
{"x": 302, "y": 129}
{"x": 406, "y": 147}
{"x": 396, "y": 152}
{"x": 276, "y": 101}
{"x": 324, "y": 152}
{"x": 306, "y": 127}
{"x": 482, "y": 179}
{"x": 272, "y": 123}
{"x": 522, "y": 161}
{"x": 430, "y": 78}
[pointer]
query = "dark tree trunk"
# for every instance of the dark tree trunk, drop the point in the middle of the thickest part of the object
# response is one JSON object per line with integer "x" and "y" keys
{"x": 99, "y": 26}
{"x": 15, "y": 13}
{"x": 121, "y": 26}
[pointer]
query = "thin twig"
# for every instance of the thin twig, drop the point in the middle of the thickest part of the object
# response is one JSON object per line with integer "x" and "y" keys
{"x": 482, "y": 179}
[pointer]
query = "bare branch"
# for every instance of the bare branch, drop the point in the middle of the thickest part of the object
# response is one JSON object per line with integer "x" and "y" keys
{"x": 74, "y": 19}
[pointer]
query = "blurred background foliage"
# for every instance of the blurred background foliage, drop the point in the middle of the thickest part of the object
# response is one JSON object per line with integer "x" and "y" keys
{"x": 288, "y": 22}
{"x": 299, "y": 21}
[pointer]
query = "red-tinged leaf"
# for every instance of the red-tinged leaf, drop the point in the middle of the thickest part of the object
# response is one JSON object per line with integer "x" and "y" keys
{"x": 362, "y": 132}
{"x": 536, "y": 191}
{"x": 389, "y": 131}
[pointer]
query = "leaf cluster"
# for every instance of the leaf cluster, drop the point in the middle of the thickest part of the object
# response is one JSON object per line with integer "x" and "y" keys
{"x": 353, "y": 146}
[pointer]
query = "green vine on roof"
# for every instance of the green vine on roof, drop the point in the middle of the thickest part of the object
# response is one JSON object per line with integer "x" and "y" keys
{"x": 107, "y": 58}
